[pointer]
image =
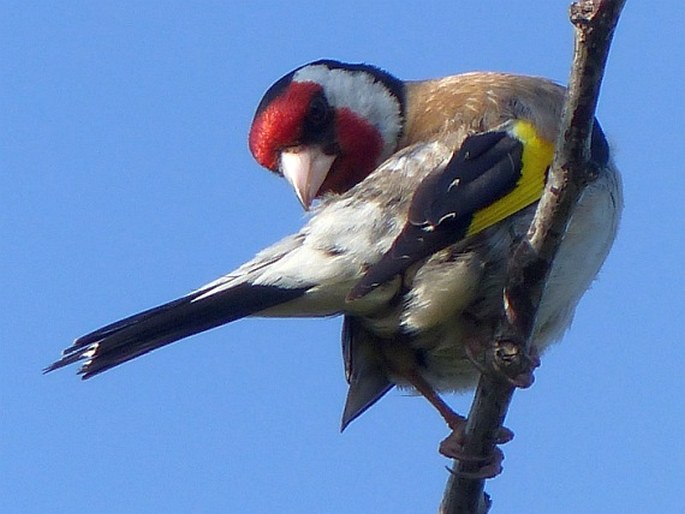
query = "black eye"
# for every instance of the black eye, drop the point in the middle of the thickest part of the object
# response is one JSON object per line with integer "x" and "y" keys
{"x": 319, "y": 111}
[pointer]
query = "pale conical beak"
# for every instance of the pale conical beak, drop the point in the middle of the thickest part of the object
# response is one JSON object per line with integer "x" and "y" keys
{"x": 306, "y": 168}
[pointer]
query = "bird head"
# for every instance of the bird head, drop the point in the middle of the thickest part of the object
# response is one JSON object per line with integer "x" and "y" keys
{"x": 326, "y": 125}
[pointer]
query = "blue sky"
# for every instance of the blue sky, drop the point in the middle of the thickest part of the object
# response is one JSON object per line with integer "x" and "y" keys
{"x": 126, "y": 181}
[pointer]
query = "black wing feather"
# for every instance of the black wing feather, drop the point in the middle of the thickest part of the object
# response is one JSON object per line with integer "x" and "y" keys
{"x": 486, "y": 167}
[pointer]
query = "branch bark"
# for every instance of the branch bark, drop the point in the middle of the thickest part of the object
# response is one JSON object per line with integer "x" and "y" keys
{"x": 594, "y": 22}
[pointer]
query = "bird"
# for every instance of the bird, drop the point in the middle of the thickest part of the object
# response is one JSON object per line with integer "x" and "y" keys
{"x": 418, "y": 191}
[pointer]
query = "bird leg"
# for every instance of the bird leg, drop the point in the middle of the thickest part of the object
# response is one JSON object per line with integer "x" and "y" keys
{"x": 453, "y": 445}
{"x": 455, "y": 421}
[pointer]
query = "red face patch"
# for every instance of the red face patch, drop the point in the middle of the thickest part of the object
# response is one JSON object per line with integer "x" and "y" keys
{"x": 360, "y": 149}
{"x": 280, "y": 124}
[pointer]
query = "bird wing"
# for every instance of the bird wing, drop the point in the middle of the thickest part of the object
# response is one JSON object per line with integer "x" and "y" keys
{"x": 492, "y": 175}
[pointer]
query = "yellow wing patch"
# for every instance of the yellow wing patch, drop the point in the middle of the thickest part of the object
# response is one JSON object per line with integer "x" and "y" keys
{"x": 537, "y": 157}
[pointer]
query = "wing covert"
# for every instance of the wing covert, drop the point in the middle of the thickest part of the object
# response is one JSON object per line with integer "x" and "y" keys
{"x": 493, "y": 175}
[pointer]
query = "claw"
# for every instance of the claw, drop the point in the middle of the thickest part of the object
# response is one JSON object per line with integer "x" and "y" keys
{"x": 503, "y": 435}
{"x": 491, "y": 468}
{"x": 531, "y": 361}
{"x": 453, "y": 447}
{"x": 503, "y": 355}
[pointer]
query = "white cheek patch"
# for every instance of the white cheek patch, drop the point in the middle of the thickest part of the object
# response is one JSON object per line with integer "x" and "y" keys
{"x": 362, "y": 94}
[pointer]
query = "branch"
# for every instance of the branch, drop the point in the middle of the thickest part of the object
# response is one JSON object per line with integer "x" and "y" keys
{"x": 571, "y": 171}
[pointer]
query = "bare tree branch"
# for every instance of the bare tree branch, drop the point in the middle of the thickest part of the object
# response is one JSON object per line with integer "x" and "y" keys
{"x": 594, "y": 22}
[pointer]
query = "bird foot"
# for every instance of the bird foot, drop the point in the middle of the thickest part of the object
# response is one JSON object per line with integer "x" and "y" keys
{"x": 490, "y": 465}
{"x": 515, "y": 366}
{"x": 453, "y": 446}
{"x": 503, "y": 359}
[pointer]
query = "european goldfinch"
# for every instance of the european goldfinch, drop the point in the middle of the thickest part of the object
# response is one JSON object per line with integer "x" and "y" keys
{"x": 423, "y": 189}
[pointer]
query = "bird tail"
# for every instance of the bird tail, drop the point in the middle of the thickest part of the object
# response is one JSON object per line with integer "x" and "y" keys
{"x": 196, "y": 312}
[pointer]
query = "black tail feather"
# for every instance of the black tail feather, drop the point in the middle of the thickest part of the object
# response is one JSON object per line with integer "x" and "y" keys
{"x": 141, "y": 333}
{"x": 364, "y": 369}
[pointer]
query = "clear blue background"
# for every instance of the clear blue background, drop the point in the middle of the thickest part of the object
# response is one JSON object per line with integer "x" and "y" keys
{"x": 126, "y": 181}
